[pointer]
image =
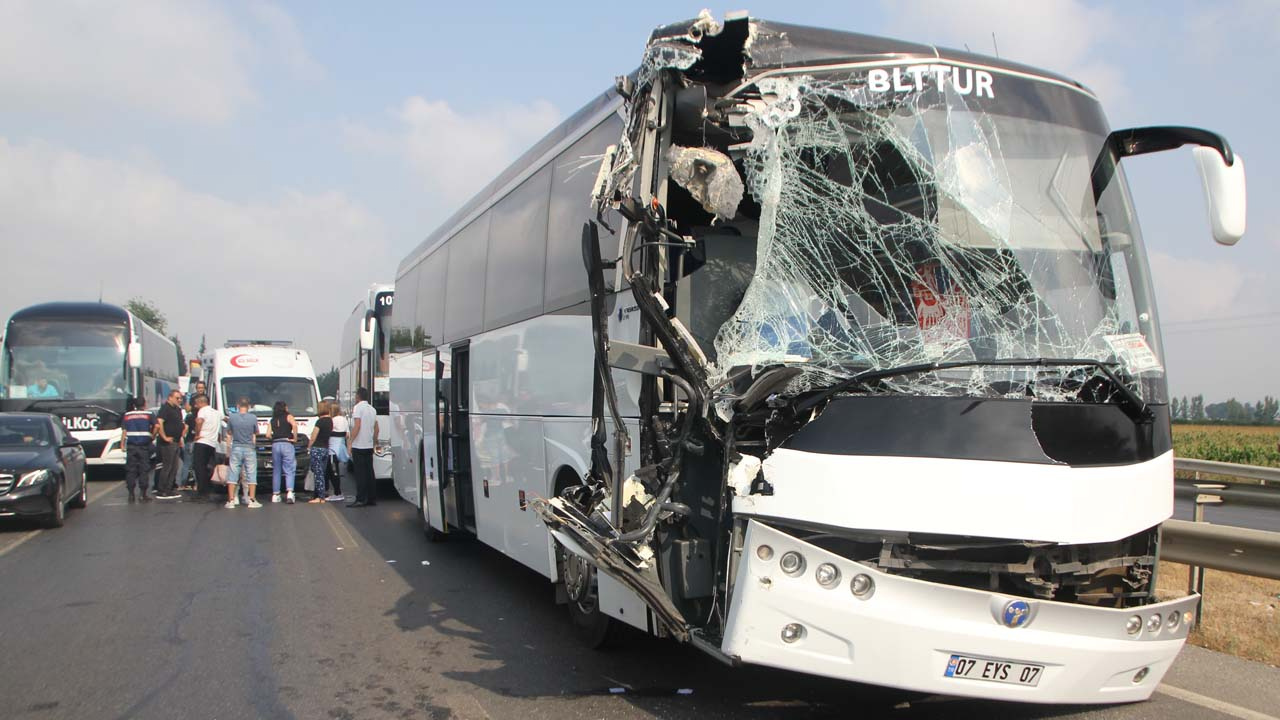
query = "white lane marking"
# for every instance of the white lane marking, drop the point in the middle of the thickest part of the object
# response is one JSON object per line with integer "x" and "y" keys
{"x": 32, "y": 533}
{"x": 1221, "y": 706}
{"x": 21, "y": 539}
{"x": 113, "y": 486}
{"x": 338, "y": 526}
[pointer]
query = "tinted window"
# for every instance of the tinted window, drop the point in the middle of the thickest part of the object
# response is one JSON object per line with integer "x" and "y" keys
{"x": 402, "y": 321}
{"x": 464, "y": 285}
{"x": 431, "y": 286}
{"x": 517, "y": 253}
{"x": 573, "y": 173}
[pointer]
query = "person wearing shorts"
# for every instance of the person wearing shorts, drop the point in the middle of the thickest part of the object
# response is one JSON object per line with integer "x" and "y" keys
{"x": 243, "y": 427}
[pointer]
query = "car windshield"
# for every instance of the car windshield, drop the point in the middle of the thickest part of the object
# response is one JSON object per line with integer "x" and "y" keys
{"x": 64, "y": 360}
{"x": 24, "y": 432}
{"x": 263, "y": 393}
{"x": 933, "y": 225}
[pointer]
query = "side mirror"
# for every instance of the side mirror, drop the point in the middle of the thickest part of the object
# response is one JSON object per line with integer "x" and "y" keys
{"x": 135, "y": 355}
{"x": 70, "y": 442}
{"x": 1224, "y": 190}
{"x": 1221, "y": 170}
{"x": 366, "y": 331}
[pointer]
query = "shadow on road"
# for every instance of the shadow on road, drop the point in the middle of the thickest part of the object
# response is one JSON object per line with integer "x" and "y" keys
{"x": 519, "y": 644}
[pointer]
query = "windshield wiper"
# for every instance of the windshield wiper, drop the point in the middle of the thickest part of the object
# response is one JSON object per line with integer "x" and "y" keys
{"x": 68, "y": 402}
{"x": 1132, "y": 405}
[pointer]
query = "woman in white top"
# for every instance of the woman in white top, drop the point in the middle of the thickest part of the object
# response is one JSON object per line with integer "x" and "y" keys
{"x": 338, "y": 453}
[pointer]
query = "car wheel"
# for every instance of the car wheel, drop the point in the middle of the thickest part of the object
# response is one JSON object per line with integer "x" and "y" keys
{"x": 81, "y": 499}
{"x": 59, "y": 514}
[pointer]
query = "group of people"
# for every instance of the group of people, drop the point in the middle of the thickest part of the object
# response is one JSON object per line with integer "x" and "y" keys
{"x": 189, "y": 429}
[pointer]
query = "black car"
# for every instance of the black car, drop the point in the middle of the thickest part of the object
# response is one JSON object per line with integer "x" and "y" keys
{"x": 41, "y": 468}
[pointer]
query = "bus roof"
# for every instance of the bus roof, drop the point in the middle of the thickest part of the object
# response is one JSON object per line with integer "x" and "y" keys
{"x": 73, "y": 311}
{"x": 766, "y": 46}
{"x": 775, "y": 45}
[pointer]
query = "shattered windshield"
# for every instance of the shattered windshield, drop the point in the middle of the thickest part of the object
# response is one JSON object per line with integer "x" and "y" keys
{"x": 937, "y": 223}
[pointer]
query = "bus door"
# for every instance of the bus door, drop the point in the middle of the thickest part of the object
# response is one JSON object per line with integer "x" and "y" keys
{"x": 453, "y": 383}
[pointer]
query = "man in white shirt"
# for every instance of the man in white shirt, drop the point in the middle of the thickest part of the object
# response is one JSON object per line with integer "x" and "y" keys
{"x": 360, "y": 441}
{"x": 208, "y": 430}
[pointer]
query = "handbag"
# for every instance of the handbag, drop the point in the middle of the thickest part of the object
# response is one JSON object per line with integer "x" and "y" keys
{"x": 220, "y": 473}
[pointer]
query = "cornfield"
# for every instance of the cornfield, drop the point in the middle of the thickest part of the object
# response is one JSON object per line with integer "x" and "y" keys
{"x": 1241, "y": 444}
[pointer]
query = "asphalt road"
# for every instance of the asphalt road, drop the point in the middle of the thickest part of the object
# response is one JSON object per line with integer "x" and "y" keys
{"x": 1238, "y": 515}
{"x": 194, "y": 611}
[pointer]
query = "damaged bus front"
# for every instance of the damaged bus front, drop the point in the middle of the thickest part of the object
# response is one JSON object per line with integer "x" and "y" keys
{"x": 903, "y": 406}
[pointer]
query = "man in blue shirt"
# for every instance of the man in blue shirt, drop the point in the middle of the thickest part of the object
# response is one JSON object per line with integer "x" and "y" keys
{"x": 137, "y": 429}
{"x": 42, "y": 389}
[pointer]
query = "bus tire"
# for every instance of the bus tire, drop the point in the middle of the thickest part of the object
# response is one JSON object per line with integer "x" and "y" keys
{"x": 578, "y": 577}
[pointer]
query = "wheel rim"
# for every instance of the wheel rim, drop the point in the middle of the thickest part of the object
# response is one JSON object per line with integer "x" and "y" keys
{"x": 578, "y": 577}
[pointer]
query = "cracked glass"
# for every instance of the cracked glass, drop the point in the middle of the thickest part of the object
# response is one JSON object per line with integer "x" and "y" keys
{"x": 938, "y": 220}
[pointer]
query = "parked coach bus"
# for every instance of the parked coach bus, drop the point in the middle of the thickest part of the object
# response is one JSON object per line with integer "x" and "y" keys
{"x": 364, "y": 360}
{"x": 863, "y": 377}
{"x": 81, "y": 362}
{"x": 266, "y": 371}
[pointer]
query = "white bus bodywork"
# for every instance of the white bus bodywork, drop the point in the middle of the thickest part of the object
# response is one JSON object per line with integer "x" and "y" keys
{"x": 867, "y": 382}
{"x": 364, "y": 361}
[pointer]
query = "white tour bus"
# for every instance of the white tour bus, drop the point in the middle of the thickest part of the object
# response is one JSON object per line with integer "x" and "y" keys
{"x": 863, "y": 378}
{"x": 364, "y": 361}
{"x": 265, "y": 371}
{"x": 81, "y": 361}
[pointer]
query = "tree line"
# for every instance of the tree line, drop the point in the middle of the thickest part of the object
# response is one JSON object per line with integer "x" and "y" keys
{"x": 1263, "y": 412}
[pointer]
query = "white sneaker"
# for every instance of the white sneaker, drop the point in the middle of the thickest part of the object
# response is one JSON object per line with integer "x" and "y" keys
{"x": 289, "y": 498}
{"x": 336, "y": 498}
{"x": 275, "y": 497}
{"x": 231, "y": 504}
{"x": 253, "y": 503}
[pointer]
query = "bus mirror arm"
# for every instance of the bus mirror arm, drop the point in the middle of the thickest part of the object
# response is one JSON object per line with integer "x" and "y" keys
{"x": 366, "y": 331}
{"x": 1221, "y": 170}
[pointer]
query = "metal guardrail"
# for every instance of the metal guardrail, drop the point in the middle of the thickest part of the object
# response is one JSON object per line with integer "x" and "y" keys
{"x": 1238, "y": 550}
{"x": 1253, "y": 472}
{"x": 1221, "y": 547}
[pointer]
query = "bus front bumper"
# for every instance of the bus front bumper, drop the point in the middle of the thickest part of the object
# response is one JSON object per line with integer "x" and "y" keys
{"x": 905, "y": 633}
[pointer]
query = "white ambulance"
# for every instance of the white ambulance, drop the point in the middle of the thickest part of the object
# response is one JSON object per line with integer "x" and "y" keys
{"x": 266, "y": 371}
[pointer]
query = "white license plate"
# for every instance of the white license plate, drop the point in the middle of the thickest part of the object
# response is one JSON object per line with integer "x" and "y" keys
{"x": 1001, "y": 671}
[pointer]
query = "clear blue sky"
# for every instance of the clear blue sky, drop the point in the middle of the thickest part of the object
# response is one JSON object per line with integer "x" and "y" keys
{"x": 242, "y": 161}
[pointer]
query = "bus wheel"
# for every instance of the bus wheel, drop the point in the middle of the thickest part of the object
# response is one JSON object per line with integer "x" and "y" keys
{"x": 594, "y": 628}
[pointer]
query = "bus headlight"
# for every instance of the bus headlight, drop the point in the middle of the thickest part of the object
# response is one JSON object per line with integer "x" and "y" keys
{"x": 792, "y": 632}
{"x": 1133, "y": 625}
{"x": 33, "y": 478}
{"x": 1154, "y": 623}
{"x": 1175, "y": 619}
{"x": 827, "y": 575}
{"x": 792, "y": 563}
{"x": 862, "y": 586}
